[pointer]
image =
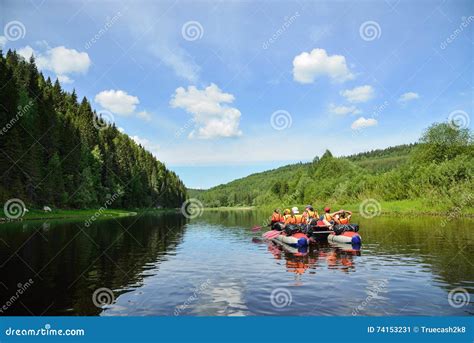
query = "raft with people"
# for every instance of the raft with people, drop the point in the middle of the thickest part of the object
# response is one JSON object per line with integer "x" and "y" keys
{"x": 299, "y": 230}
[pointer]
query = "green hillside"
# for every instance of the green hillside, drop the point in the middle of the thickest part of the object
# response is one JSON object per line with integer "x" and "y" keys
{"x": 437, "y": 172}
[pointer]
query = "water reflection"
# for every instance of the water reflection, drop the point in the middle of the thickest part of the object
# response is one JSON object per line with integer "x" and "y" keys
{"x": 155, "y": 263}
{"x": 68, "y": 261}
{"x": 317, "y": 255}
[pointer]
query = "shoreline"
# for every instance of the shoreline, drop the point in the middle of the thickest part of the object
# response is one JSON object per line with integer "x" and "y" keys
{"x": 386, "y": 209}
{"x": 59, "y": 214}
{"x": 389, "y": 208}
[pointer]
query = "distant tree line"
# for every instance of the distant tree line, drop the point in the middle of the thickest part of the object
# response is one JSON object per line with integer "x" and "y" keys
{"x": 438, "y": 169}
{"x": 51, "y": 152}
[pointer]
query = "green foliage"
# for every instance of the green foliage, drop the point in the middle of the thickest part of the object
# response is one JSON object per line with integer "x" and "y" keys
{"x": 438, "y": 170}
{"x": 52, "y": 154}
{"x": 442, "y": 142}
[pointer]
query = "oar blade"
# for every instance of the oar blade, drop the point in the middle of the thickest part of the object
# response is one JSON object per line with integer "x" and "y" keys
{"x": 271, "y": 234}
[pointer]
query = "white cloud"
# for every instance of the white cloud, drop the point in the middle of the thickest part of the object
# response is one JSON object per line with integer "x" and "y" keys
{"x": 405, "y": 97}
{"x": 359, "y": 94}
{"x": 212, "y": 117}
{"x": 62, "y": 61}
{"x": 26, "y": 52}
{"x": 65, "y": 79}
{"x": 147, "y": 144}
{"x": 141, "y": 141}
{"x": 121, "y": 103}
{"x": 343, "y": 110}
{"x": 121, "y": 129}
{"x": 117, "y": 101}
{"x": 307, "y": 67}
{"x": 177, "y": 59}
{"x": 144, "y": 115}
{"x": 3, "y": 41}
{"x": 362, "y": 122}
{"x": 59, "y": 60}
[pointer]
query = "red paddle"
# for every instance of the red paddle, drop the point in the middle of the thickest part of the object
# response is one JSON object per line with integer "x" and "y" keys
{"x": 271, "y": 234}
{"x": 258, "y": 228}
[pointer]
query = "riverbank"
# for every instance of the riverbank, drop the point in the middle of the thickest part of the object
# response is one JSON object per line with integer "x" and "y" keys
{"x": 233, "y": 208}
{"x": 373, "y": 207}
{"x": 70, "y": 214}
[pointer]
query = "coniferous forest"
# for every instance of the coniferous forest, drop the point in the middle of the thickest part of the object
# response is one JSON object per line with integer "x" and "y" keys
{"x": 53, "y": 152}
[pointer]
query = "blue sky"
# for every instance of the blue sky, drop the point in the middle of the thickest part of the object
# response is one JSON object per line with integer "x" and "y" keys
{"x": 218, "y": 90}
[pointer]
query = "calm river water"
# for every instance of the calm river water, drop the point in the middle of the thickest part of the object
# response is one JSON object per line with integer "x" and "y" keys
{"x": 215, "y": 265}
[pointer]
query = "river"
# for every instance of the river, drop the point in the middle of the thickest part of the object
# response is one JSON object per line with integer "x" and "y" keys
{"x": 214, "y": 265}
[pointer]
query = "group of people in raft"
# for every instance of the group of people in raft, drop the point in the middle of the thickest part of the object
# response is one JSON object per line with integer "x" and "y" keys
{"x": 290, "y": 221}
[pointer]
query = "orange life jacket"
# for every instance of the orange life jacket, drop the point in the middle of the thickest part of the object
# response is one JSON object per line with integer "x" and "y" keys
{"x": 344, "y": 220}
{"x": 328, "y": 217}
{"x": 296, "y": 219}
{"x": 276, "y": 217}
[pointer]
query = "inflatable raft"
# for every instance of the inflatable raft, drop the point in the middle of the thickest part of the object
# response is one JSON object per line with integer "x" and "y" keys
{"x": 296, "y": 240}
{"x": 349, "y": 237}
{"x": 297, "y": 251}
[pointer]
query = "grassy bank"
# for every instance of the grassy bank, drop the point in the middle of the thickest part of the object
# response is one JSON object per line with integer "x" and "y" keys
{"x": 71, "y": 214}
{"x": 227, "y": 208}
{"x": 405, "y": 207}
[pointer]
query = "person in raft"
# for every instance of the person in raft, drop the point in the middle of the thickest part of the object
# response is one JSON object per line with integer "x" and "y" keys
{"x": 328, "y": 218}
{"x": 293, "y": 221}
{"x": 310, "y": 214}
{"x": 277, "y": 220}
{"x": 286, "y": 214}
{"x": 343, "y": 217}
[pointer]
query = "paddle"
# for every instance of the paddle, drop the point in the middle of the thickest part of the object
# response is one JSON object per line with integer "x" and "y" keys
{"x": 258, "y": 228}
{"x": 271, "y": 234}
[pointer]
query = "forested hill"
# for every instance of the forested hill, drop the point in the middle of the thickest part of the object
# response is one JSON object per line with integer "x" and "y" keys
{"x": 439, "y": 170}
{"x": 55, "y": 150}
